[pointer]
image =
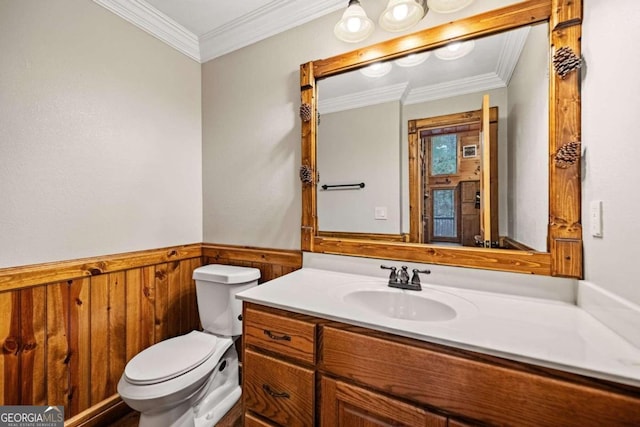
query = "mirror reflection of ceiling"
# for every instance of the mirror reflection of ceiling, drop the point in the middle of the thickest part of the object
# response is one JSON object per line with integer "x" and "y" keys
{"x": 489, "y": 65}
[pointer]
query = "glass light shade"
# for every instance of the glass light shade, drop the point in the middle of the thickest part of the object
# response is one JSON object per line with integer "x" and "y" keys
{"x": 401, "y": 15}
{"x": 377, "y": 69}
{"x": 448, "y": 6}
{"x": 413, "y": 59}
{"x": 355, "y": 25}
{"x": 454, "y": 50}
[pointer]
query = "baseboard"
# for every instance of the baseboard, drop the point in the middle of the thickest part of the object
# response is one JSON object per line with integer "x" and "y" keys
{"x": 618, "y": 314}
{"x": 104, "y": 413}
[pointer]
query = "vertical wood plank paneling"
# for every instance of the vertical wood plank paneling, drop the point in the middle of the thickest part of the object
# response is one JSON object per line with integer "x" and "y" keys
{"x": 133, "y": 296}
{"x": 57, "y": 367}
{"x": 147, "y": 320}
{"x": 10, "y": 336}
{"x": 192, "y": 307}
{"x": 67, "y": 342}
{"x": 162, "y": 302}
{"x": 99, "y": 338}
{"x": 117, "y": 330}
{"x": 174, "y": 303}
{"x": 187, "y": 296}
{"x": 79, "y": 345}
{"x": 33, "y": 304}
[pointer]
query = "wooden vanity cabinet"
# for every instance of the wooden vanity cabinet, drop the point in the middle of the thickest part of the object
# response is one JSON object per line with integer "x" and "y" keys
{"x": 279, "y": 372}
{"x": 336, "y": 374}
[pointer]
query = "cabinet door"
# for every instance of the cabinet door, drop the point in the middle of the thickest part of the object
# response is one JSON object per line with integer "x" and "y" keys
{"x": 344, "y": 404}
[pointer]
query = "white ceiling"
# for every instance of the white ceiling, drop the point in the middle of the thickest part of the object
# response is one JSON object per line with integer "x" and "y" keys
{"x": 206, "y": 29}
{"x": 488, "y": 66}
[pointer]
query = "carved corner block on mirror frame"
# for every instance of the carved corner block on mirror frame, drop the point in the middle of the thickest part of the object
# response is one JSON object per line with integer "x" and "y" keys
{"x": 564, "y": 238}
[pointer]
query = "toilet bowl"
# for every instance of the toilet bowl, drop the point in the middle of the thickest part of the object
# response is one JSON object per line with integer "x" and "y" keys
{"x": 193, "y": 379}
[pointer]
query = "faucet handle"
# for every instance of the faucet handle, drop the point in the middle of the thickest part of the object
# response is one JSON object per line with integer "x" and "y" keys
{"x": 416, "y": 276}
{"x": 393, "y": 275}
{"x": 404, "y": 274}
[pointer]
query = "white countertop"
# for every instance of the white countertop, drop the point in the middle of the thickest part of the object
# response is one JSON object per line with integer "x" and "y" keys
{"x": 549, "y": 333}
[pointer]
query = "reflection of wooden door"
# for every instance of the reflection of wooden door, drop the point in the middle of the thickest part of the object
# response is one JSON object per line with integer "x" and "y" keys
{"x": 469, "y": 212}
{"x": 466, "y": 126}
{"x": 489, "y": 177}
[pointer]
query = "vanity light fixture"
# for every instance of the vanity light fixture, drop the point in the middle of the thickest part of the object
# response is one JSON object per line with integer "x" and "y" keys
{"x": 448, "y": 6}
{"x": 401, "y": 15}
{"x": 412, "y": 60}
{"x": 454, "y": 50}
{"x": 355, "y": 25}
{"x": 377, "y": 69}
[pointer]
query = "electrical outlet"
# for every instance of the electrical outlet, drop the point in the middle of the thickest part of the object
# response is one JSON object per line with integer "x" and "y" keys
{"x": 380, "y": 212}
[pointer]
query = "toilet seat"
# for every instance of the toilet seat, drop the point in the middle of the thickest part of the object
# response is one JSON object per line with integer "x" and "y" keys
{"x": 171, "y": 358}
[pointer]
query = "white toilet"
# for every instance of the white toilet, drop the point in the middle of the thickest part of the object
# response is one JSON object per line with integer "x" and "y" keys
{"x": 192, "y": 380}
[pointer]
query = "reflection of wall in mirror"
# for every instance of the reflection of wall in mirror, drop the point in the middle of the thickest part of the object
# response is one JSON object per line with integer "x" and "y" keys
{"x": 527, "y": 133}
{"x": 360, "y": 145}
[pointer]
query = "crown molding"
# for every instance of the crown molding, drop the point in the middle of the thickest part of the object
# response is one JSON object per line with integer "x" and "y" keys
{"x": 506, "y": 64}
{"x": 510, "y": 53}
{"x": 363, "y": 99}
{"x": 147, "y": 18}
{"x": 458, "y": 87}
{"x": 275, "y": 17}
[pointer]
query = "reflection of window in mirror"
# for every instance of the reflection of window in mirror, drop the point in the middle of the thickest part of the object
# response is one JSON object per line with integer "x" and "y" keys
{"x": 444, "y": 155}
{"x": 445, "y": 216}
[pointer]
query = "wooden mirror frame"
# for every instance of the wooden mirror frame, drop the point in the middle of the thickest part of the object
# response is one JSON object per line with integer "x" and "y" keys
{"x": 564, "y": 237}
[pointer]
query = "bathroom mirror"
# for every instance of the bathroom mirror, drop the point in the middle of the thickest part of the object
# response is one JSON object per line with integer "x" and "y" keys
{"x": 375, "y": 122}
{"x": 562, "y": 253}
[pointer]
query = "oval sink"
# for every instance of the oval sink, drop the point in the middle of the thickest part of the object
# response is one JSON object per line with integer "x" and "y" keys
{"x": 401, "y": 305}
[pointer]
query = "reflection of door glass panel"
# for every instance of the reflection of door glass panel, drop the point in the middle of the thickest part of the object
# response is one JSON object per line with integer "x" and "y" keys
{"x": 444, "y": 154}
{"x": 444, "y": 214}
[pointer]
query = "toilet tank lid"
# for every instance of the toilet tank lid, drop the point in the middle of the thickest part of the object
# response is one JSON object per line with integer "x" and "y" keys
{"x": 229, "y": 274}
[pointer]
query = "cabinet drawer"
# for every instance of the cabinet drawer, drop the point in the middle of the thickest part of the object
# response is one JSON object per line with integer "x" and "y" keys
{"x": 253, "y": 421}
{"x": 288, "y": 336}
{"x": 469, "y": 387}
{"x": 277, "y": 390}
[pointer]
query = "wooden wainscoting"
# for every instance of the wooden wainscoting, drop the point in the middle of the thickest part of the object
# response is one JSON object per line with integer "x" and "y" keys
{"x": 67, "y": 329}
{"x": 272, "y": 263}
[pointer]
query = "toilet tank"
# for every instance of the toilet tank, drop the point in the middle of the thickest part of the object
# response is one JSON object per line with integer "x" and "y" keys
{"x": 216, "y": 287}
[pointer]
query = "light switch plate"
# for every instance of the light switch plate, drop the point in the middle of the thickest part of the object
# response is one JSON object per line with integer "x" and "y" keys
{"x": 595, "y": 213}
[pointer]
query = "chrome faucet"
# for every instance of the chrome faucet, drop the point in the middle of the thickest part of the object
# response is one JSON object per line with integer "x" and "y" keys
{"x": 400, "y": 279}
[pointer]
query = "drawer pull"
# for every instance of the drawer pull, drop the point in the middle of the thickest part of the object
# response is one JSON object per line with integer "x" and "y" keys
{"x": 266, "y": 388}
{"x": 277, "y": 337}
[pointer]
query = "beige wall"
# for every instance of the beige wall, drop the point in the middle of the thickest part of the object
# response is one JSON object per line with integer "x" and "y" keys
{"x": 610, "y": 94}
{"x": 360, "y": 145}
{"x": 528, "y": 136}
{"x": 100, "y": 135}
